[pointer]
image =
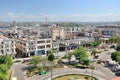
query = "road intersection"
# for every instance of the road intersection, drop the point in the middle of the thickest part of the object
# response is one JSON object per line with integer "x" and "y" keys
{"x": 100, "y": 72}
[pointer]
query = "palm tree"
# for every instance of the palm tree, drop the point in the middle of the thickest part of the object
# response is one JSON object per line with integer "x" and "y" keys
{"x": 93, "y": 54}
{"x": 50, "y": 51}
{"x": 35, "y": 60}
{"x": 51, "y": 58}
{"x": 68, "y": 56}
{"x": 115, "y": 39}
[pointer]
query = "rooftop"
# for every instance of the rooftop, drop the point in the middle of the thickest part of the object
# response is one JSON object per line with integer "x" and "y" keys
{"x": 3, "y": 37}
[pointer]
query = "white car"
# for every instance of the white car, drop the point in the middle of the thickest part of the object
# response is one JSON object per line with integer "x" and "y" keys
{"x": 14, "y": 78}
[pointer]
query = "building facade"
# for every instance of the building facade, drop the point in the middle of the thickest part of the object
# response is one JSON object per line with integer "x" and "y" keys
{"x": 7, "y": 46}
{"x": 33, "y": 46}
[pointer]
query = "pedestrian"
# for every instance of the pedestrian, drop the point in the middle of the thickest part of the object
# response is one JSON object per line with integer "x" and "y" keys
{"x": 86, "y": 71}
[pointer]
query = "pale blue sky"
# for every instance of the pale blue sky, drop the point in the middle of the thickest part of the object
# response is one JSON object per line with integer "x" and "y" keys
{"x": 60, "y": 10}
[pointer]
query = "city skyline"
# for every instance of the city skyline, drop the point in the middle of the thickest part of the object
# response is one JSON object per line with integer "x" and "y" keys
{"x": 63, "y": 10}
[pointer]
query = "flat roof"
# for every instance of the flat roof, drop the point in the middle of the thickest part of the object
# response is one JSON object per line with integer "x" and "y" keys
{"x": 3, "y": 37}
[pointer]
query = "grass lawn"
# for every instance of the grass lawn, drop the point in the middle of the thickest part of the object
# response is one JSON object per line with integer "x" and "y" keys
{"x": 76, "y": 77}
{"x": 8, "y": 76}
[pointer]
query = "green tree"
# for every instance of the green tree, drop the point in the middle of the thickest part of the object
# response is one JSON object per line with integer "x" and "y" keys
{"x": 68, "y": 56}
{"x": 118, "y": 48}
{"x": 118, "y": 59}
{"x": 116, "y": 56}
{"x": 93, "y": 53}
{"x": 2, "y": 76}
{"x": 4, "y": 68}
{"x": 7, "y": 59}
{"x": 50, "y": 51}
{"x": 34, "y": 60}
{"x": 113, "y": 56}
{"x": 5, "y": 64}
{"x": 94, "y": 44}
{"x": 115, "y": 39}
{"x": 51, "y": 57}
{"x": 85, "y": 61}
{"x": 80, "y": 53}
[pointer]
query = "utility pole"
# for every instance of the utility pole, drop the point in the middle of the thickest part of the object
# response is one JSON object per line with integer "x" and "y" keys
{"x": 51, "y": 73}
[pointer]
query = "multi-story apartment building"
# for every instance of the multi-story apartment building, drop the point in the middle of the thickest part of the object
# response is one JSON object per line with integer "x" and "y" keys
{"x": 33, "y": 46}
{"x": 109, "y": 30}
{"x": 64, "y": 32}
{"x": 74, "y": 43}
{"x": 57, "y": 32}
{"x": 7, "y": 46}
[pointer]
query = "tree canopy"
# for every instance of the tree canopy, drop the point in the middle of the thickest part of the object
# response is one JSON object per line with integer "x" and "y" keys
{"x": 34, "y": 60}
{"x": 51, "y": 57}
{"x": 93, "y": 53}
{"x": 5, "y": 64}
{"x": 94, "y": 44}
{"x": 118, "y": 48}
{"x": 50, "y": 51}
{"x": 115, "y": 39}
{"x": 116, "y": 56}
{"x": 68, "y": 56}
{"x": 81, "y": 55}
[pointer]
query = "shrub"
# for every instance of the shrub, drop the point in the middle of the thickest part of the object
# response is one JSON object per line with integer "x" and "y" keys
{"x": 87, "y": 77}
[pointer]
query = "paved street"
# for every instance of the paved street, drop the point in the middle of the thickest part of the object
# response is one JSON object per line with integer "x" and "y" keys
{"x": 63, "y": 71}
{"x": 19, "y": 70}
{"x": 109, "y": 75}
{"x": 101, "y": 72}
{"x": 105, "y": 56}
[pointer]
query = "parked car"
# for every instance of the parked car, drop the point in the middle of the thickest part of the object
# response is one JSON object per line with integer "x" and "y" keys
{"x": 25, "y": 60}
{"x": 14, "y": 78}
{"x": 42, "y": 72}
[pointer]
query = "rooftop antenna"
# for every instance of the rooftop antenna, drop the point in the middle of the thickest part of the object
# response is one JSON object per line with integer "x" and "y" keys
{"x": 45, "y": 20}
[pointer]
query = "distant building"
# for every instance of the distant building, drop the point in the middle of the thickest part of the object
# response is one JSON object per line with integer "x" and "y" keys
{"x": 64, "y": 32}
{"x": 7, "y": 46}
{"x": 109, "y": 30}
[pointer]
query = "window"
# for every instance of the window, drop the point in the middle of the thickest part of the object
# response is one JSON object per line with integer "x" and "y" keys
{"x": 48, "y": 41}
{"x": 41, "y": 47}
{"x": 24, "y": 44}
{"x": 31, "y": 43}
{"x": 1, "y": 46}
{"x": 11, "y": 45}
{"x": 7, "y": 50}
{"x": 48, "y": 46}
{"x": 12, "y": 50}
{"x": 38, "y": 42}
{"x": 2, "y": 51}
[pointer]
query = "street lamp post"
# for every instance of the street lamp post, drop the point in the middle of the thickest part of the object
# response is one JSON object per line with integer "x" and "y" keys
{"x": 51, "y": 73}
{"x": 92, "y": 68}
{"x": 93, "y": 56}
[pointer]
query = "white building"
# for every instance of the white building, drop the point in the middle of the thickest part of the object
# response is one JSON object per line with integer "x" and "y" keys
{"x": 33, "y": 46}
{"x": 7, "y": 46}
